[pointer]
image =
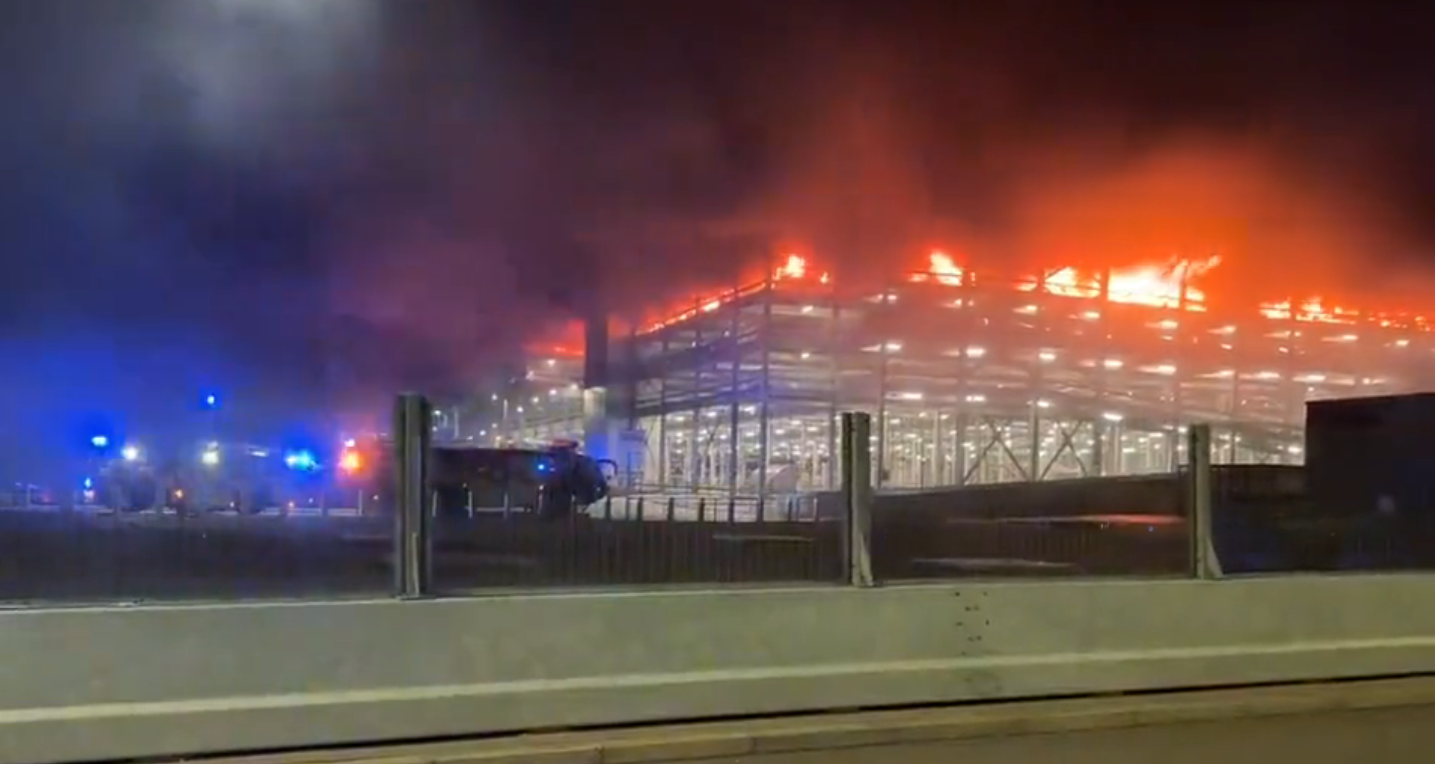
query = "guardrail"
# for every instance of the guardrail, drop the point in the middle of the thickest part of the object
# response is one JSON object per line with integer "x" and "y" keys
{"x": 179, "y": 679}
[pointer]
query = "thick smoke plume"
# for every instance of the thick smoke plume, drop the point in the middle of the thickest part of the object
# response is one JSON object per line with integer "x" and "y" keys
{"x": 312, "y": 203}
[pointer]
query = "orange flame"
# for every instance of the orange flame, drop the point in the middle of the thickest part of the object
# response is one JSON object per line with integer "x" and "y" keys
{"x": 1158, "y": 286}
{"x": 795, "y": 267}
{"x": 943, "y": 269}
{"x": 1166, "y": 285}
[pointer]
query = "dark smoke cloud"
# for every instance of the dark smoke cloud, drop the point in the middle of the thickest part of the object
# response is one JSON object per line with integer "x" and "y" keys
{"x": 315, "y": 202}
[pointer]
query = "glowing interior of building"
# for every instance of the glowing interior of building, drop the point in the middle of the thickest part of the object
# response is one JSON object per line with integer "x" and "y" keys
{"x": 970, "y": 377}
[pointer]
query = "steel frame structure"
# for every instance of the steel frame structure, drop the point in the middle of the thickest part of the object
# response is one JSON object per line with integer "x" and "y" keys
{"x": 970, "y": 381}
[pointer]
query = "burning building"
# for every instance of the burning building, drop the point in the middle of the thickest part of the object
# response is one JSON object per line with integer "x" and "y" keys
{"x": 971, "y": 377}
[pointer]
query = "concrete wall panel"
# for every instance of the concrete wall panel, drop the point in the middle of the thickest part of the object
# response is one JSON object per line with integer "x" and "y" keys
{"x": 115, "y": 683}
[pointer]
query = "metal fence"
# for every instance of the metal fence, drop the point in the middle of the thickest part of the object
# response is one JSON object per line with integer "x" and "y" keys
{"x": 1266, "y": 520}
{"x": 1203, "y": 519}
{"x": 1124, "y": 526}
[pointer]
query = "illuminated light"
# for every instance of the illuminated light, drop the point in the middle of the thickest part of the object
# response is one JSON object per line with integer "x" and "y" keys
{"x": 1402, "y": 343}
{"x": 1113, "y": 363}
{"x": 211, "y": 401}
{"x": 1224, "y": 374}
{"x": 1225, "y": 330}
{"x": 1310, "y": 310}
{"x": 1311, "y": 378}
{"x": 711, "y": 414}
{"x": 942, "y": 269}
{"x": 1042, "y": 403}
{"x": 892, "y": 347}
{"x": 100, "y": 441}
{"x": 179, "y": 493}
{"x": 807, "y": 308}
{"x": 711, "y": 306}
{"x": 209, "y": 457}
{"x": 259, "y": 453}
{"x": 1345, "y": 338}
{"x": 1046, "y": 356}
{"x": 1164, "y": 368}
{"x": 976, "y": 398}
{"x": 552, "y": 391}
{"x": 1112, "y": 416}
{"x": 1168, "y": 324}
{"x": 806, "y": 355}
{"x": 130, "y": 453}
{"x": 349, "y": 443}
{"x": 975, "y": 351}
{"x": 907, "y": 397}
{"x": 351, "y": 461}
{"x": 1294, "y": 450}
{"x": 494, "y": 397}
{"x": 300, "y": 460}
{"x": 552, "y": 362}
{"x": 1027, "y": 310}
{"x": 1092, "y": 315}
{"x": 1267, "y": 375}
{"x": 89, "y": 483}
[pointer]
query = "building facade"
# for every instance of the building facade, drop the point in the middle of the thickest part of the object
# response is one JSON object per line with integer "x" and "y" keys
{"x": 970, "y": 377}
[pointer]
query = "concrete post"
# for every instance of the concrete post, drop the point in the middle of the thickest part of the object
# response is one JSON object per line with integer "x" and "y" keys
{"x": 598, "y": 429}
{"x": 1206, "y": 562}
{"x": 857, "y": 496}
{"x": 413, "y": 529}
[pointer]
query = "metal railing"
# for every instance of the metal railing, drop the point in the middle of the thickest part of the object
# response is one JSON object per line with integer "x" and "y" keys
{"x": 1202, "y": 520}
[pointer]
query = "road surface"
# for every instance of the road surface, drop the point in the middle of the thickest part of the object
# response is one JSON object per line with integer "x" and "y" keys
{"x": 1380, "y": 722}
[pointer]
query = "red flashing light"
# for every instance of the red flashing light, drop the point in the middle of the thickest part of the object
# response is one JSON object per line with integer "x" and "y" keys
{"x": 351, "y": 462}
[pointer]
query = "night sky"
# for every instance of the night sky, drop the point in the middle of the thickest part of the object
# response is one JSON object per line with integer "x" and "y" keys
{"x": 307, "y": 204}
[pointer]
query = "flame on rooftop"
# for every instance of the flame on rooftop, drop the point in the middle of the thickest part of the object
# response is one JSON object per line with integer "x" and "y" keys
{"x": 1171, "y": 284}
{"x": 941, "y": 269}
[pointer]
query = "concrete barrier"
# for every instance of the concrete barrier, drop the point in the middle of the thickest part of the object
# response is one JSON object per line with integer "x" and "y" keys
{"x": 90, "y": 684}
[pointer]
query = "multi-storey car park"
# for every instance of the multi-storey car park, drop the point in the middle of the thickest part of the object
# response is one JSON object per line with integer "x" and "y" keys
{"x": 972, "y": 377}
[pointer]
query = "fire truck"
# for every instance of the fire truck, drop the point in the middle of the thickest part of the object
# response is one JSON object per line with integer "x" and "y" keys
{"x": 551, "y": 481}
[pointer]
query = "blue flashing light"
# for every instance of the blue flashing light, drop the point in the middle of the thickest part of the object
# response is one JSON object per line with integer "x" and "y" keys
{"x": 100, "y": 441}
{"x": 211, "y": 401}
{"x": 300, "y": 460}
{"x": 544, "y": 466}
{"x": 89, "y": 483}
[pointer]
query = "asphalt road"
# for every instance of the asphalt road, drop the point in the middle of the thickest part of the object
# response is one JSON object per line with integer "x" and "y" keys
{"x": 1378, "y": 736}
{"x": 1378, "y": 721}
